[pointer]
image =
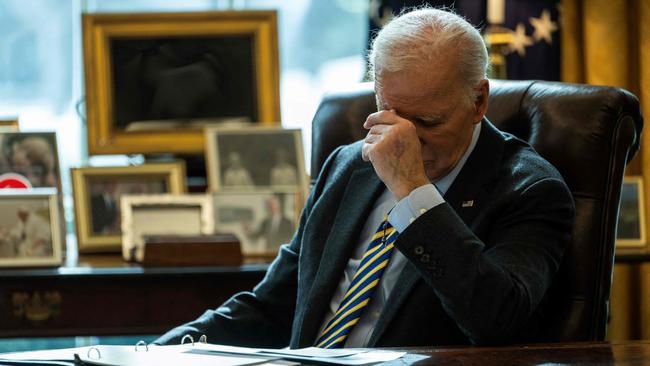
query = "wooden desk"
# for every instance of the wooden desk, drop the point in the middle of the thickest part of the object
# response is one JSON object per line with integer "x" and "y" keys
{"x": 103, "y": 295}
{"x": 571, "y": 354}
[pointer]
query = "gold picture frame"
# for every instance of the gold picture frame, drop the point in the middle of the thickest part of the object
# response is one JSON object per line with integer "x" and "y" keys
{"x": 243, "y": 43}
{"x": 32, "y": 236}
{"x": 631, "y": 228}
{"x": 97, "y": 190}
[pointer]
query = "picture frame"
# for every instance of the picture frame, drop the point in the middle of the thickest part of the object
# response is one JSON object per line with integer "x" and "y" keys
{"x": 97, "y": 190}
{"x": 631, "y": 226}
{"x": 249, "y": 216}
{"x": 199, "y": 68}
{"x": 255, "y": 157}
{"x": 163, "y": 215}
{"x": 29, "y": 160}
{"x": 9, "y": 125}
{"x": 30, "y": 228}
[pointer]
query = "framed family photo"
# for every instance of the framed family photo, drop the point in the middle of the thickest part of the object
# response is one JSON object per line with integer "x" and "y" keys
{"x": 29, "y": 160}
{"x": 168, "y": 75}
{"x": 97, "y": 192}
{"x": 255, "y": 158}
{"x": 30, "y": 231}
{"x": 163, "y": 215}
{"x": 631, "y": 229}
{"x": 261, "y": 220}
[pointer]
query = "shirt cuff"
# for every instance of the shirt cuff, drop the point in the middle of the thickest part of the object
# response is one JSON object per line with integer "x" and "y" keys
{"x": 409, "y": 208}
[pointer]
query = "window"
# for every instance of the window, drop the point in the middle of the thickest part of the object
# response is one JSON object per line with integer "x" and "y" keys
{"x": 322, "y": 46}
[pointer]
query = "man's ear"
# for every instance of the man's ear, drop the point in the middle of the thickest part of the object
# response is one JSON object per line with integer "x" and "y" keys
{"x": 481, "y": 101}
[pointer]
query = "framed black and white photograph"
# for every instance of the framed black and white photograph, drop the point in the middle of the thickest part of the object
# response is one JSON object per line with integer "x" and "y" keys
{"x": 29, "y": 160}
{"x": 167, "y": 75}
{"x": 255, "y": 158}
{"x": 261, "y": 220}
{"x": 30, "y": 233}
{"x": 631, "y": 230}
{"x": 163, "y": 215}
{"x": 97, "y": 192}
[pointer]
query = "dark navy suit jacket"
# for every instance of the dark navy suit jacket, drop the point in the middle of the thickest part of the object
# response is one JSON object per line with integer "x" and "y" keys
{"x": 479, "y": 264}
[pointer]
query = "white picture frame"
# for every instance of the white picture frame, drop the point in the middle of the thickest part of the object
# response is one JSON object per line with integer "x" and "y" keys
{"x": 248, "y": 216}
{"x": 30, "y": 228}
{"x": 163, "y": 215}
{"x": 255, "y": 158}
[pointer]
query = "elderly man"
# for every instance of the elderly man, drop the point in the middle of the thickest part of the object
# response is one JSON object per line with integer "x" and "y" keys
{"x": 436, "y": 229}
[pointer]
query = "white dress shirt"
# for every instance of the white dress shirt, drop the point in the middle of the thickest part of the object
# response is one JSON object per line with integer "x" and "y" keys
{"x": 402, "y": 214}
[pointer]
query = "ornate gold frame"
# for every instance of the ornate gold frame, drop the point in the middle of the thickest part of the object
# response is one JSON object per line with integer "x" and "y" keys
{"x": 87, "y": 241}
{"x": 99, "y": 29}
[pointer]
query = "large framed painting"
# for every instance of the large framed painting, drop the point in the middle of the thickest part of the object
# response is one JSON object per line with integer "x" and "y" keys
{"x": 165, "y": 76}
{"x": 97, "y": 192}
{"x": 631, "y": 230}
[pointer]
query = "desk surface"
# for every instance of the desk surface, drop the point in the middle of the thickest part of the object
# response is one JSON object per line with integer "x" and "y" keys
{"x": 599, "y": 353}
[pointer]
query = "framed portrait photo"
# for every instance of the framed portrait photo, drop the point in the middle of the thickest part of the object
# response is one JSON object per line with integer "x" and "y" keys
{"x": 168, "y": 75}
{"x": 29, "y": 160}
{"x": 97, "y": 192}
{"x": 30, "y": 231}
{"x": 252, "y": 158}
{"x": 163, "y": 215}
{"x": 261, "y": 220}
{"x": 631, "y": 230}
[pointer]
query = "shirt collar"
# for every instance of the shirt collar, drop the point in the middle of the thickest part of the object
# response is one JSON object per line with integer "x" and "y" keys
{"x": 445, "y": 182}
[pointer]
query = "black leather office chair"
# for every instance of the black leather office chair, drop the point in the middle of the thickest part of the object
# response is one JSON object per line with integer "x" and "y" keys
{"x": 587, "y": 132}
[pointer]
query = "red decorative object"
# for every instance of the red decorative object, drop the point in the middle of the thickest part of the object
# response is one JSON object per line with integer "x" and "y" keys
{"x": 13, "y": 180}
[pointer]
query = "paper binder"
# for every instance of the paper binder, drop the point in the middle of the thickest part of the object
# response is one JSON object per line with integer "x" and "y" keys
{"x": 195, "y": 353}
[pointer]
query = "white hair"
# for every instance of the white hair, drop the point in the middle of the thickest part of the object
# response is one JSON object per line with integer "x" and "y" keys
{"x": 416, "y": 38}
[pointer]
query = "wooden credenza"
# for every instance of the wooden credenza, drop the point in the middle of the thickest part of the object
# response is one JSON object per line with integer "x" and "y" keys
{"x": 103, "y": 295}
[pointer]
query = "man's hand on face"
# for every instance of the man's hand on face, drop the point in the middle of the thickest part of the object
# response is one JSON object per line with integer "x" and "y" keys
{"x": 393, "y": 147}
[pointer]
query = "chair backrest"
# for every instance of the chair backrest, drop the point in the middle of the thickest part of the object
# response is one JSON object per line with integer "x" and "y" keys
{"x": 588, "y": 133}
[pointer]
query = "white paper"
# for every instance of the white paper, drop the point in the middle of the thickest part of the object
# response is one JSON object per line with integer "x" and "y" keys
{"x": 335, "y": 356}
{"x": 202, "y": 354}
{"x": 163, "y": 355}
{"x": 66, "y": 354}
{"x": 314, "y": 352}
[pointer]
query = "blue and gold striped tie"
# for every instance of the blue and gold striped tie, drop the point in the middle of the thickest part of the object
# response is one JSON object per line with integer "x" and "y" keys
{"x": 363, "y": 284}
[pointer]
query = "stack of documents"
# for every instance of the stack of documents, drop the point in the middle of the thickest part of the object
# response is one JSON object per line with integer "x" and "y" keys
{"x": 198, "y": 354}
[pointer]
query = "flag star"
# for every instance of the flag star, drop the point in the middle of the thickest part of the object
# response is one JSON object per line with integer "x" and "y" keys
{"x": 520, "y": 40}
{"x": 544, "y": 27}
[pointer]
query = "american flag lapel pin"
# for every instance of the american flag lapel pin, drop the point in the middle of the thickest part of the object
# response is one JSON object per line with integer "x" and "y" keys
{"x": 469, "y": 203}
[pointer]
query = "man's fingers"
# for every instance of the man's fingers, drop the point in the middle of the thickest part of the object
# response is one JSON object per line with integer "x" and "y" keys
{"x": 381, "y": 118}
{"x": 365, "y": 150}
{"x": 379, "y": 129}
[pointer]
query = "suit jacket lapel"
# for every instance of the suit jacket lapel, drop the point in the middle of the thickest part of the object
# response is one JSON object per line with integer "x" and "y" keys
{"x": 363, "y": 189}
{"x": 471, "y": 184}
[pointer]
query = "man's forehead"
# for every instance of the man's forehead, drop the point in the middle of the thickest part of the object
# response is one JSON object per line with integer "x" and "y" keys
{"x": 414, "y": 85}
